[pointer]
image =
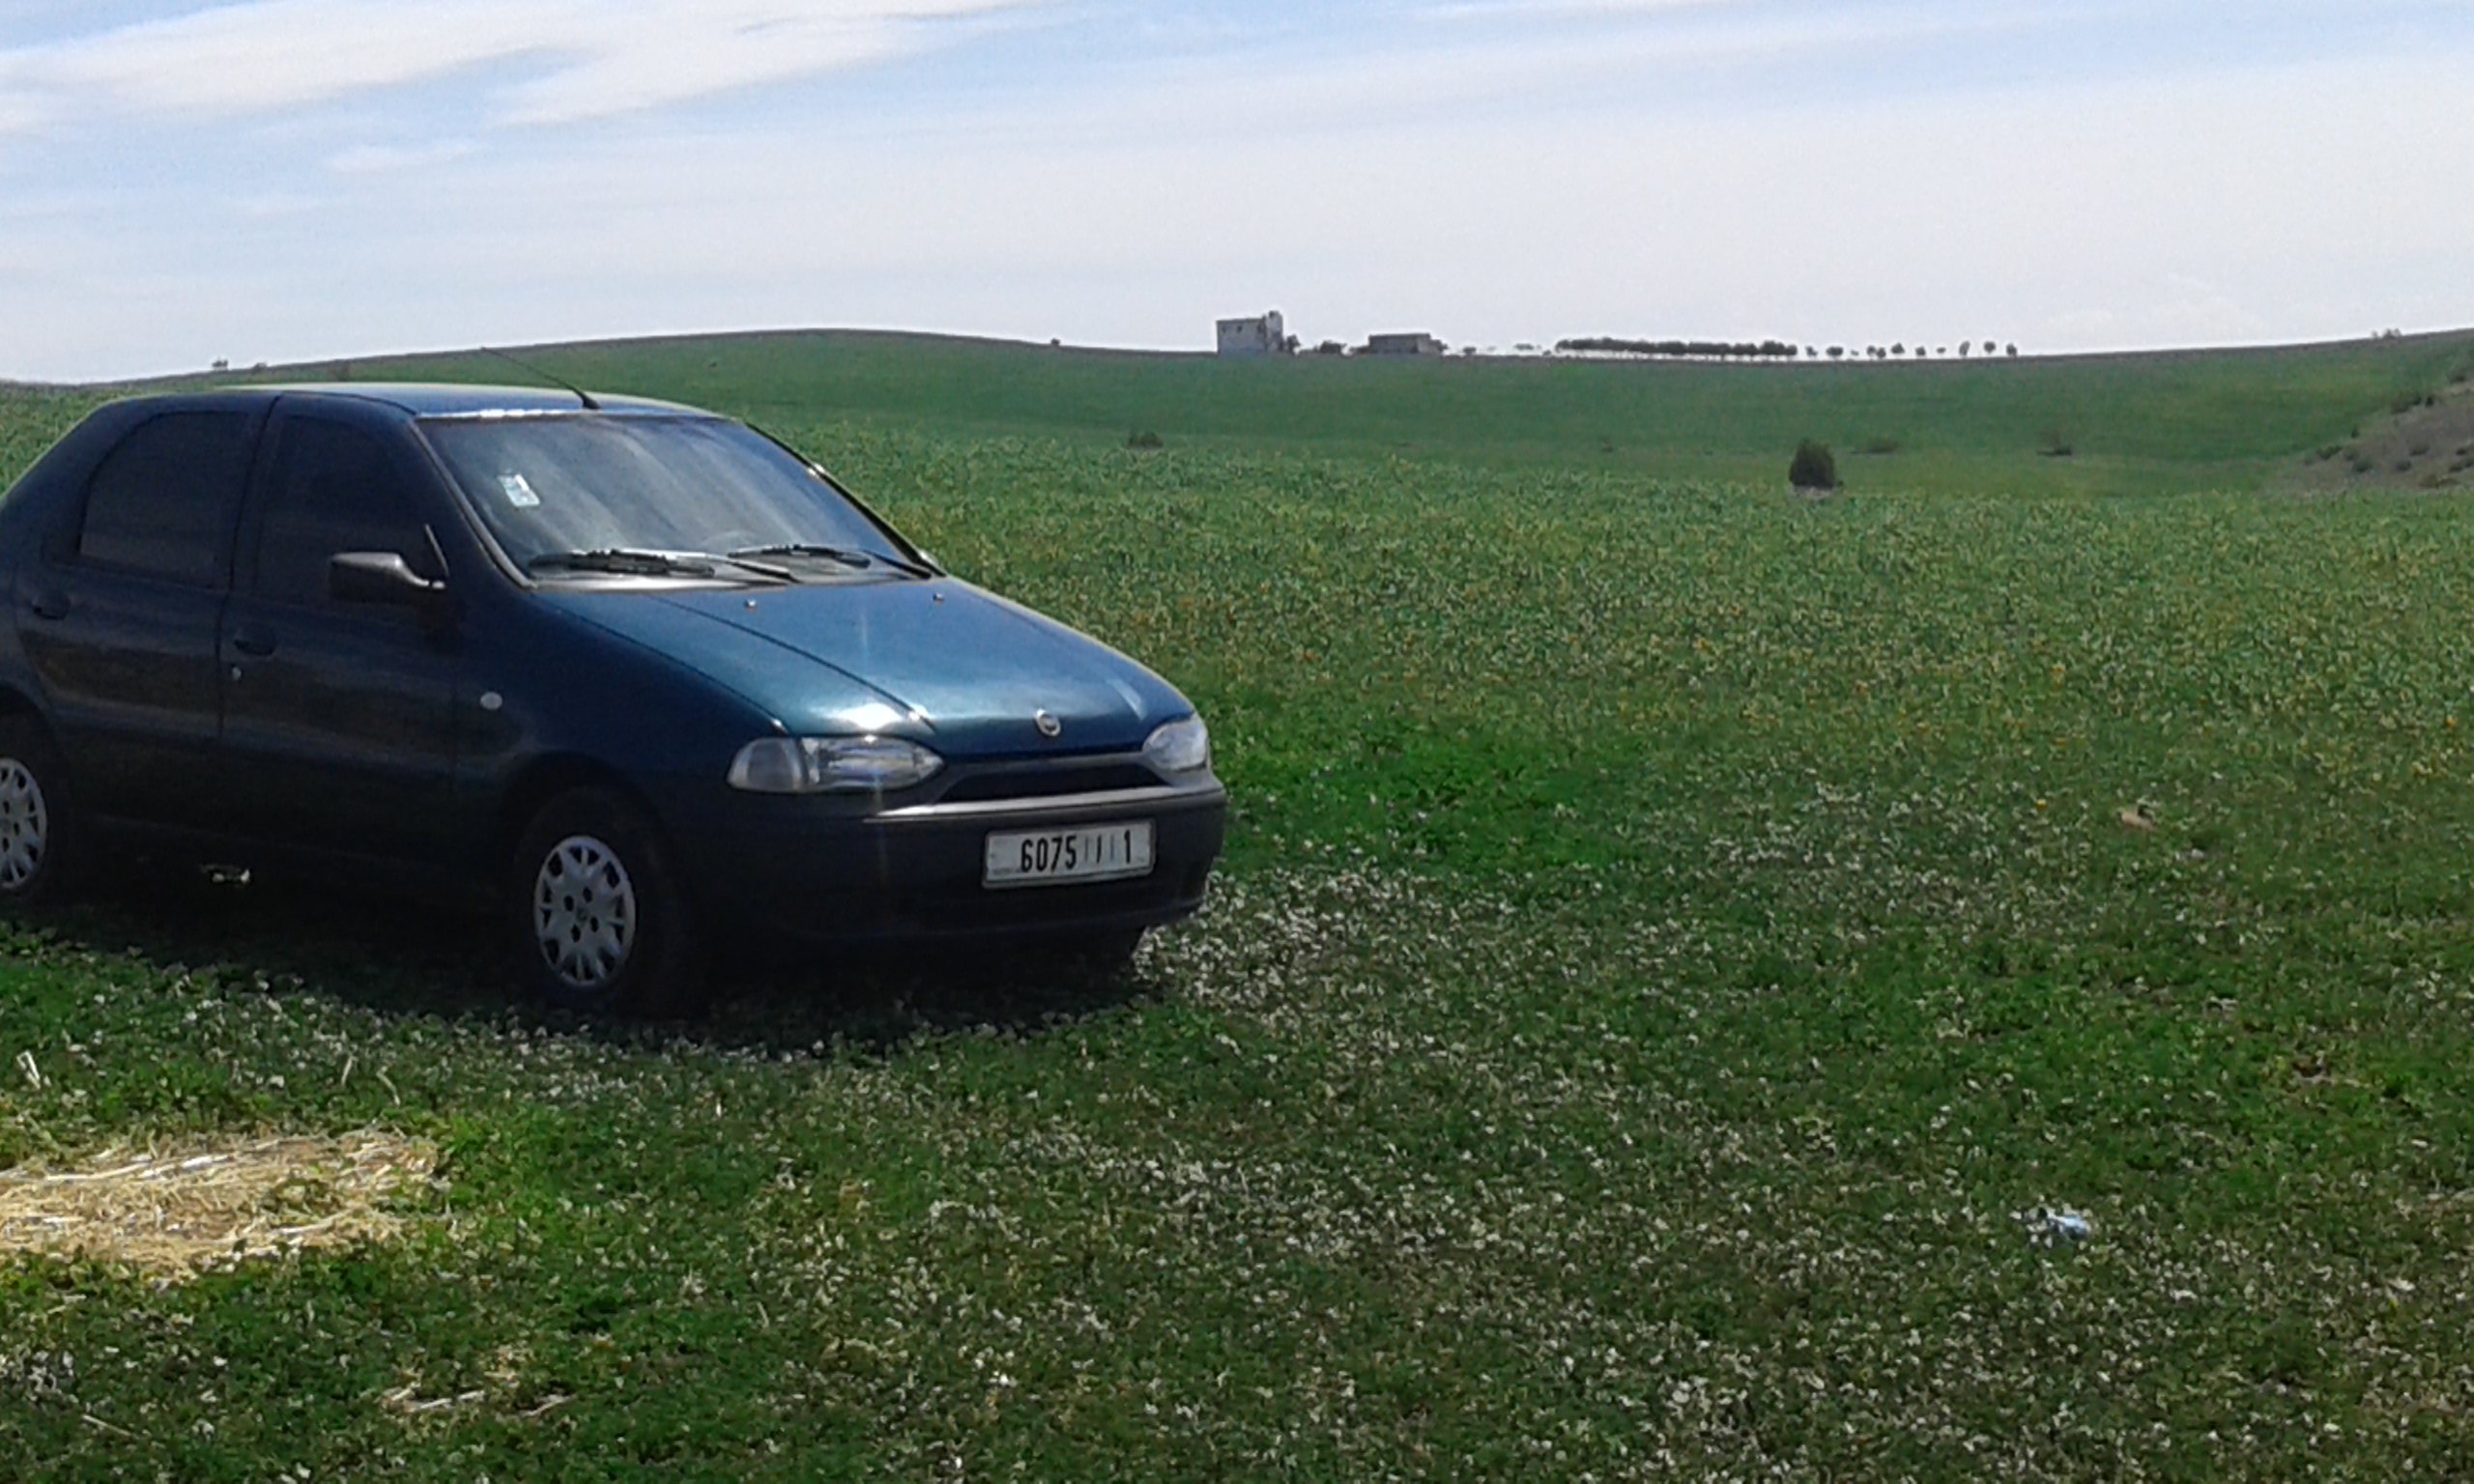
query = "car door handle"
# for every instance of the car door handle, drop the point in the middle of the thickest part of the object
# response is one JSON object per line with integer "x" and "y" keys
{"x": 50, "y": 604}
{"x": 252, "y": 642}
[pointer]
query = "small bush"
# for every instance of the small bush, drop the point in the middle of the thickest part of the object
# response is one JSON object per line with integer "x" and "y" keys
{"x": 1880, "y": 445}
{"x": 2057, "y": 444}
{"x": 1142, "y": 437}
{"x": 1813, "y": 467}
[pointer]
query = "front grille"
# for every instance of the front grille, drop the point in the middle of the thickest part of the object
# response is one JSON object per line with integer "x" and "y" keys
{"x": 1049, "y": 781}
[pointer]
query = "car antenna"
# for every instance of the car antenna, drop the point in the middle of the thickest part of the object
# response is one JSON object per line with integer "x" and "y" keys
{"x": 582, "y": 395}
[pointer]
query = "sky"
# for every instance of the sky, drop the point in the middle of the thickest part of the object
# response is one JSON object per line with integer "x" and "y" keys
{"x": 187, "y": 181}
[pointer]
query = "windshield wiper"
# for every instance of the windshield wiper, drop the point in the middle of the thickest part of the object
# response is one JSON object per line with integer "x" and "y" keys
{"x": 639, "y": 562}
{"x": 848, "y": 555}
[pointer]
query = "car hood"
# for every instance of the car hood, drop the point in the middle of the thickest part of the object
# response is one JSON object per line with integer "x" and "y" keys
{"x": 941, "y": 661}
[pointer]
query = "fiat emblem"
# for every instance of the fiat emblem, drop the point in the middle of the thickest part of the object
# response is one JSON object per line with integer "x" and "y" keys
{"x": 1048, "y": 725}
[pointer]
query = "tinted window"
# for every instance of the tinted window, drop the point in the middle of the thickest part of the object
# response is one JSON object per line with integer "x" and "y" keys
{"x": 163, "y": 502}
{"x": 332, "y": 489}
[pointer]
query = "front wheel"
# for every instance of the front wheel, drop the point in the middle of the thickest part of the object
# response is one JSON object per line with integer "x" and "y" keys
{"x": 39, "y": 835}
{"x": 600, "y": 923}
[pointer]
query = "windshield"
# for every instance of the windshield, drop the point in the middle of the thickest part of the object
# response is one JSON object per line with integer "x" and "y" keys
{"x": 556, "y": 488}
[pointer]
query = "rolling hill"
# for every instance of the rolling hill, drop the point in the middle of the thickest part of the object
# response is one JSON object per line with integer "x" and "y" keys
{"x": 2147, "y": 422}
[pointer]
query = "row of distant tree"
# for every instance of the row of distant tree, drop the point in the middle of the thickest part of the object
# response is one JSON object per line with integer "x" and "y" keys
{"x": 1769, "y": 349}
{"x": 1967, "y": 348}
{"x": 1724, "y": 349}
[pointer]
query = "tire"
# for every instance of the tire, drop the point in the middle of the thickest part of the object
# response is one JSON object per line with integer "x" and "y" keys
{"x": 599, "y": 921}
{"x": 40, "y": 842}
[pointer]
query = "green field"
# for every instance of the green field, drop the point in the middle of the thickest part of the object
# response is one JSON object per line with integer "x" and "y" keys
{"x": 1675, "y": 935}
{"x": 2169, "y": 423}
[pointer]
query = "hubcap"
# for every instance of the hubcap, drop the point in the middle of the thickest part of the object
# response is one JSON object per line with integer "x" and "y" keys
{"x": 25, "y": 824}
{"x": 584, "y": 912}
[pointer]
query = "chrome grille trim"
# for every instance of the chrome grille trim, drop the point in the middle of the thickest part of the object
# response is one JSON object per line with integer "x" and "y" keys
{"x": 1167, "y": 795}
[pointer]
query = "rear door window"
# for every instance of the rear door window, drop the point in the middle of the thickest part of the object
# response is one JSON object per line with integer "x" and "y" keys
{"x": 163, "y": 502}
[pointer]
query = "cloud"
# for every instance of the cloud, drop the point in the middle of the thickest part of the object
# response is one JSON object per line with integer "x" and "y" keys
{"x": 1489, "y": 10}
{"x": 384, "y": 158}
{"x": 1515, "y": 59}
{"x": 703, "y": 48}
{"x": 580, "y": 58}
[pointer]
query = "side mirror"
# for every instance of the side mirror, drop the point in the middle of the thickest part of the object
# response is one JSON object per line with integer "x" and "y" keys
{"x": 385, "y": 577}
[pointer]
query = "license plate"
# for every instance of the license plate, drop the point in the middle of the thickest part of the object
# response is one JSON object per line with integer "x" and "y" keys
{"x": 1092, "y": 852}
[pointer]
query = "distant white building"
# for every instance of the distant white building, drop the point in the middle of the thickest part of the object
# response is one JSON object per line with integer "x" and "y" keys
{"x": 1264, "y": 335}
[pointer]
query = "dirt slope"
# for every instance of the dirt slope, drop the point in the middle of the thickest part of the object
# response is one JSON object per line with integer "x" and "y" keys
{"x": 2427, "y": 445}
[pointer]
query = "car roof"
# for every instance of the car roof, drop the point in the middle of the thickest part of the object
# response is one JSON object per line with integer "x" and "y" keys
{"x": 449, "y": 399}
{"x": 423, "y": 399}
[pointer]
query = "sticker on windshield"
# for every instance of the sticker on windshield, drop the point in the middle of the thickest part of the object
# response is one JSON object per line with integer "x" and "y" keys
{"x": 519, "y": 492}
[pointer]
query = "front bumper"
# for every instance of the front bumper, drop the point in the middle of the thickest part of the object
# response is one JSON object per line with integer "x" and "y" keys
{"x": 821, "y": 869}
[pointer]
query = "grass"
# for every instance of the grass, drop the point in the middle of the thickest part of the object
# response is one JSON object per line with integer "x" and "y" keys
{"x": 2170, "y": 422}
{"x": 1675, "y": 938}
{"x": 32, "y": 418}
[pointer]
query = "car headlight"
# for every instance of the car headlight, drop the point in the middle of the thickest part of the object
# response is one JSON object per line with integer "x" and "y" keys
{"x": 1179, "y": 747}
{"x": 831, "y": 765}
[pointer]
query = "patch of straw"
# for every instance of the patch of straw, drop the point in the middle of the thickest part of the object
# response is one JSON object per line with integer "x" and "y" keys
{"x": 176, "y": 1211}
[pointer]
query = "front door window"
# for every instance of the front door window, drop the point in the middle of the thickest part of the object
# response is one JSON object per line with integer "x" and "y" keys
{"x": 338, "y": 718}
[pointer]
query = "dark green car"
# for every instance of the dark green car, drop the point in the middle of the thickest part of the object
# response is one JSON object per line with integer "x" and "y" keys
{"x": 642, "y": 676}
